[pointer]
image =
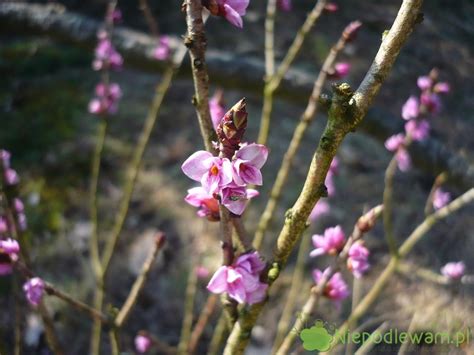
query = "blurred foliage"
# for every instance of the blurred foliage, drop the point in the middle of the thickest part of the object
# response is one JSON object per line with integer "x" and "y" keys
{"x": 32, "y": 102}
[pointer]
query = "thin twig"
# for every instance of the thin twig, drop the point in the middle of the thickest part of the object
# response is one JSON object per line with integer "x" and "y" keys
{"x": 139, "y": 283}
{"x": 274, "y": 81}
{"x": 202, "y": 321}
{"x": 346, "y": 113}
{"x": 295, "y": 290}
{"x": 369, "y": 344}
{"x": 305, "y": 120}
{"x": 221, "y": 332}
{"x": 149, "y": 18}
{"x": 404, "y": 249}
{"x": 388, "y": 204}
{"x": 196, "y": 42}
{"x": 188, "y": 310}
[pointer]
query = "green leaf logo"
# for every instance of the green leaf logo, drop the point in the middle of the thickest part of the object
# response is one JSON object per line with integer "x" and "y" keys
{"x": 316, "y": 338}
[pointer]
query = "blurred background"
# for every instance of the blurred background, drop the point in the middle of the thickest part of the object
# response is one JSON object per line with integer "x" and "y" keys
{"x": 44, "y": 92}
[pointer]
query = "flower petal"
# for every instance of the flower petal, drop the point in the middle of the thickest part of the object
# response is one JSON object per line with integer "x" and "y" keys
{"x": 196, "y": 165}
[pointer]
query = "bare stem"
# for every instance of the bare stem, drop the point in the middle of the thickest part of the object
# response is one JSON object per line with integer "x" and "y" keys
{"x": 295, "y": 291}
{"x": 149, "y": 18}
{"x": 305, "y": 120}
{"x": 139, "y": 283}
{"x": 188, "y": 310}
{"x": 202, "y": 321}
{"x": 274, "y": 79}
{"x": 221, "y": 332}
{"x": 196, "y": 42}
{"x": 404, "y": 249}
{"x": 388, "y": 204}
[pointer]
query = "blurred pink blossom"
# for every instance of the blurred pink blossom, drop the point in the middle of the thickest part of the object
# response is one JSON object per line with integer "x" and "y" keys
{"x": 162, "y": 50}
{"x": 34, "y": 290}
{"x": 440, "y": 198}
{"x": 284, "y": 5}
{"x": 411, "y": 108}
{"x": 143, "y": 343}
{"x": 454, "y": 270}
{"x": 336, "y": 289}
{"x": 418, "y": 130}
{"x": 321, "y": 208}
{"x": 330, "y": 243}
{"x": 358, "y": 259}
{"x": 424, "y": 82}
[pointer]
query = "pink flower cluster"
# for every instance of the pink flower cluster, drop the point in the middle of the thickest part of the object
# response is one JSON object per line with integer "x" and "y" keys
{"x": 231, "y": 10}
{"x": 106, "y": 100}
{"x": 9, "y": 253}
{"x": 241, "y": 280}
{"x": 340, "y": 70}
{"x": 332, "y": 242}
{"x": 224, "y": 178}
{"x": 454, "y": 270}
{"x": 107, "y": 58}
{"x": 415, "y": 111}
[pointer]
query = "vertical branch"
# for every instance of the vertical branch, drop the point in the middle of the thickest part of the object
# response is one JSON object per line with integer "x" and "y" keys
{"x": 305, "y": 120}
{"x": 388, "y": 204}
{"x": 345, "y": 114}
{"x": 270, "y": 39}
{"x": 202, "y": 321}
{"x": 188, "y": 310}
{"x": 295, "y": 291}
{"x": 149, "y": 18}
{"x": 273, "y": 81}
{"x": 196, "y": 42}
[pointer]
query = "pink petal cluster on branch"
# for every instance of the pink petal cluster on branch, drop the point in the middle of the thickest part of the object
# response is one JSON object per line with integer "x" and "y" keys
{"x": 416, "y": 112}
{"x": 241, "y": 280}
{"x": 336, "y": 288}
{"x": 454, "y": 270}
{"x": 34, "y": 290}
{"x": 224, "y": 178}
{"x": 9, "y": 253}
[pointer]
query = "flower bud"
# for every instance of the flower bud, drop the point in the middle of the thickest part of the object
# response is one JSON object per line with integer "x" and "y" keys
{"x": 367, "y": 221}
{"x": 232, "y": 128}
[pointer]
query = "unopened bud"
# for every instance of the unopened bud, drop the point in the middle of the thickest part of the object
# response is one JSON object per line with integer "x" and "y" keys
{"x": 367, "y": 221}
{"x": 351, "y": 30}
{"x": 232, "y": 128}
{"x": 160, "y": 239}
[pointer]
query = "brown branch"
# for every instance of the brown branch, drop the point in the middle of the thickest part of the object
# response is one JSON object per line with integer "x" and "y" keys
{"x": 345, "y": 114}
{"x": 202, "y": 321}
{"x": 196, "y": 43}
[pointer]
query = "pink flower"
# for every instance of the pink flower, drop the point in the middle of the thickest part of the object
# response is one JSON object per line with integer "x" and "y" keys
{"x": 202, "y": 272}
{"x": 34, "y": 289}
{"x": 358, "y": 259}
{"x": 235, "y": 198}
{"x": 340, "y": 70}
{"x": 411, "y": 108}
{"x": 321, "y": 208}
{"x": 241, "y": 280}
{"x": 431, "y": 101}
{"x": 11, "y": 177}
{"x": 440, "y": 198}
{"x": 454, "y": 270}
{"x": 233, "y": 10}
{"x": 208, "y": 206}
{"x": 442, "y": 88}
{"x": 249, "y": 159}
{"x": 143, "y": 343}
{"x": 106, "y": 100}
{"x": 424, "y": 83}
{"x": 162, "y": 50}
{"x": 403, "y": 159}
{"x": 5, "y": 158}
{"x": 214, "y": 173}
{"x": 106, "y": 56}
{"x": 336, "y": 289}
{"x": 331, "y": 7}
{"x": 9, "y": 251}
{"x": 418, "y": 130}
{"x": 330, "y": 243}
{"x": 394, "y": 142}
{"x": 329, "y": 182}
{"x": 284, "y": 5}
